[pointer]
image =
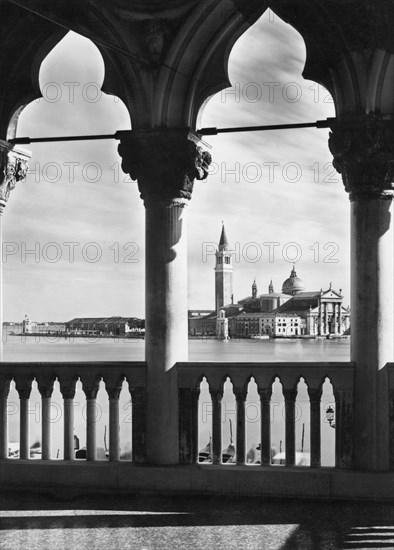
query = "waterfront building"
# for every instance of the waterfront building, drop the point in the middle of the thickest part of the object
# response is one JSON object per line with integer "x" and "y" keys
{"x": 28, "y": 326}
{"x": 202, "y": 322}
{"x": 294, "y": 312}
{"x": 322, "y": 311}
{"x": 105, "y": 326}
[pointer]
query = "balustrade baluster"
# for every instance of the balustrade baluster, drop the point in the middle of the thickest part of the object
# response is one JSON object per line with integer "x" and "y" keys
{"x": 314, "y": 398}
{"x": 46, "y": 391}
{"x": 68, "y": 392}
{"x": 24, "y": 389}
{"x": 114, "y": 427}
{"x": 91, "y": 419}
{"x": 290, "y": 397}
{"x": 216, "y": 396}
{"x": 265, "y": 427}
{"x": 240, "y": 396}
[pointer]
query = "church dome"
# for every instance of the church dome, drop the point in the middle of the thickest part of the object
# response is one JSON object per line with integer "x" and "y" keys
{"x": 293, "y": 284}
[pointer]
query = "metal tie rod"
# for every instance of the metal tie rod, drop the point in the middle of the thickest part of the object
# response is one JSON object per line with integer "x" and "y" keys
{"x": 203, "y": 131}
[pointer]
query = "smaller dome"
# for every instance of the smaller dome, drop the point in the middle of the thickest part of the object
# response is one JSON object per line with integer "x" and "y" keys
{"x": 293, "y": 284}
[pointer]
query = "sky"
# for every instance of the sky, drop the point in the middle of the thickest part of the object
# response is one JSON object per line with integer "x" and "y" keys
{"x": 73, "y": 232}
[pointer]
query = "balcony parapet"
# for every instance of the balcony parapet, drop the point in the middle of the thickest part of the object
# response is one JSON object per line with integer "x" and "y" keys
{"x": 341, "y": 376}
{"x": 90, "y": 374}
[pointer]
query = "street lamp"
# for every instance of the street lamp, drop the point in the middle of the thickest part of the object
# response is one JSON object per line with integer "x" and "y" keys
{"x": 330, "y": 415}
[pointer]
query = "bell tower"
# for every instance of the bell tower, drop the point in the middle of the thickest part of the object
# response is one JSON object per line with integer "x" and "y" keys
{"x": 223, "y": 274}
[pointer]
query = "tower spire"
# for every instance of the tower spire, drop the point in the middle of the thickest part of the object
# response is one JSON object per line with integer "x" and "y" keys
{"x": 223, "y": 243}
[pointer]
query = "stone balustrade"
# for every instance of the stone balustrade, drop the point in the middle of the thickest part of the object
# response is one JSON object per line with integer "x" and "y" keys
{"x": 188, "y": 476}
{"x": 341, "y": 376}
{"x": 67, "y": 374}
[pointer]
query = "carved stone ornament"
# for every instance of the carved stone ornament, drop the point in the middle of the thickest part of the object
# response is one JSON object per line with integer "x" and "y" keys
{"x": 363, "y": 151}
{"x": 165, "y": 162}
{"x": 13, "y": 168}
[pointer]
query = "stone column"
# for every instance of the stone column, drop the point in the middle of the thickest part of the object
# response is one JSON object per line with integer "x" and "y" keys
{"x": 340, "y": 318}
{"x": 320, "y": 328}
{"x": 13, "y": 168}
{"x": 325, "y": 319}
{"x": 363, "y": 150}
{"x": 334, "y": 318}
{"x": 166, "y": 162}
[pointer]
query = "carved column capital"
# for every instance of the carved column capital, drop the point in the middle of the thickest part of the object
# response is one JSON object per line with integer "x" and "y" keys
{"x": 165, "y": 162}
{"x": 13, "y": 168}
{"x": 363, "y": 151}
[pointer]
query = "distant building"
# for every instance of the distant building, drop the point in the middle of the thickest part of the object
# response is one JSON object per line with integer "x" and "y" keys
{"x": 297, "y": 312}
{"x": 202, "y": 322}
{"x": 108, "y": 326}
{"x": 28, "y": 326}
{"x": 293, "y": 312}
{"x": 33, "y": 327}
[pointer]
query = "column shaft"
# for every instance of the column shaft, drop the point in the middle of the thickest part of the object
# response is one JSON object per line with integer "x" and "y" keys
{"x": 166, "y": 340}
{"x": 372, "y": 275}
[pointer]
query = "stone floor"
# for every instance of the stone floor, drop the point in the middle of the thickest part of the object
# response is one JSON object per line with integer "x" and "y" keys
{"x": 34, "y": 521}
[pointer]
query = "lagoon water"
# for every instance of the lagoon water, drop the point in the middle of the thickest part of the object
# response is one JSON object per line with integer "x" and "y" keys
{"x": 50, "y": 348}
{"x": 35, "y": 349}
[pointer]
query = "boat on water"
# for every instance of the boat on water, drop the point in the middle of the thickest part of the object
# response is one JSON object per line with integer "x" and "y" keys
{"x": 253, "y": 456}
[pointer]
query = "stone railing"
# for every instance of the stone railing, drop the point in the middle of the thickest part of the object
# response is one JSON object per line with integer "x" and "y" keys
{"x": 340, "y": 375}
{"x": 67, "y": 374}
{"x": 78, "y": 476}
